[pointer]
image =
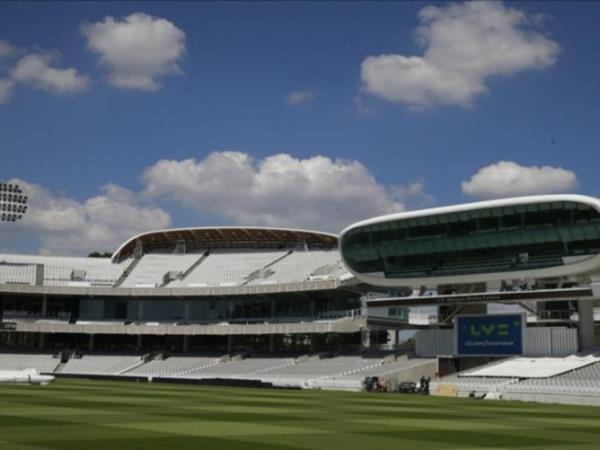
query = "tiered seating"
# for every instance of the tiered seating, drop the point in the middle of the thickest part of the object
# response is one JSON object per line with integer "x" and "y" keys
{"x": 522, "y": 367}
{"x": 583, "y": 381}
{"x": 336, "y": 269}
{"x": 104, "y": 274}
{"x": 222, "y": 267}
{"x": 540, "y": 379}
{"x": 479, "y": 385}
{"x": 299, "y": 265}
{"x": 43, "y": 363}
{"x": 151, "y": 269}
{"x": 403, "y": 369}
{"x": 58, "y": 271}
{"x": 101, "y": 364}
{"x": 249, "y": 368}
{"x": 382, "y": 369}
{"x": 174, "y": 366}
{"x": 345, "y": 372}
{"x": 229, "y": 267}
{"x": 17, "y": 274}
{"x": 281, "y": 371}
{"x": 299, "y": 374}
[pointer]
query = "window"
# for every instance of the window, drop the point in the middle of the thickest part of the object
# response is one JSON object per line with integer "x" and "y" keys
{"x": 475, "y": 241}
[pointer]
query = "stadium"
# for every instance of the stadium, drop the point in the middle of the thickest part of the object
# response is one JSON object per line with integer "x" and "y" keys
{"x": 299, "y": 225}
{"x": 513, "y": 283}
{"x": 498, "y": 297}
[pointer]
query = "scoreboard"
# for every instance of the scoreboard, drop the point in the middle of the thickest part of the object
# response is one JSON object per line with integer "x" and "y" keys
{"x": 489, "y": 335}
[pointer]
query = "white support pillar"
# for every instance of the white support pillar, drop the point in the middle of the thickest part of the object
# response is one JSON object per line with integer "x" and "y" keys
{"x": 365, "y": 335}
{"x": 393, "y": 338}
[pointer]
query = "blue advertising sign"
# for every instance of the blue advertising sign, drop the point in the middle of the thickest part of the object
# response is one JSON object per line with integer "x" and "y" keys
{"x": 487, "y": 335}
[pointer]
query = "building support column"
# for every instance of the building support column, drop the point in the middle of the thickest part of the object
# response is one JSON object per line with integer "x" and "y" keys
{"x": 316, "y": 342}
{"x": 141, "y": 310}
{"x": 42, "y": 340}
{"x": 271, "y": 343}
{"x": 186, "y": 342}
{"x": 365, "y": 335}
{"x": 585, "y": 310}
{"x": 138, "y": 345}
{"x": 91, "y": 342}
{"x": 44, "y": 305}
{"x": 229, "y": 343}
{"x": 186, "y": 311}
{"x": 393, "y": 338}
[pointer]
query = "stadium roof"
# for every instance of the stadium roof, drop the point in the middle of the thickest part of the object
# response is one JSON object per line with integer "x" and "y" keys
{"x": 225, "y": 237}
{"x": 535, "y": 236}
{"x": 510, "y": 201}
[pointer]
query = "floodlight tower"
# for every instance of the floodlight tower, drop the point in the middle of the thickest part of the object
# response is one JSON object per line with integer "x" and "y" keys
{"x": 13, "y": 204}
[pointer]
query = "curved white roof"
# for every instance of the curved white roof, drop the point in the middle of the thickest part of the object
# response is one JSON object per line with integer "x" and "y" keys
{"x": 226, "y": 235}
{"x": 512, "y": 201}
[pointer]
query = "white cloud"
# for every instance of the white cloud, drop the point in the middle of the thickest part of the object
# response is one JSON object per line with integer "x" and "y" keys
{"x": 67, "y": 226}
{"x": 413, "y": 195}
{"x": 35, "y": 69}
{"x": 464, "y": 44}
{"x": 280, "y": 190}
{"x": 6, "y": 87}
{"x": 300, "y": 97}
{"x": 507, "y": 179}
{"x": 137, "y": 50}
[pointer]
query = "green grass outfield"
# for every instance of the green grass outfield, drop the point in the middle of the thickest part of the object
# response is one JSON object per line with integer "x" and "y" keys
{"x": 98, "y": 415}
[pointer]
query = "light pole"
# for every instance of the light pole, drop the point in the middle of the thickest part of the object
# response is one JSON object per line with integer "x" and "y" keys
{"x": 13, "y": 204}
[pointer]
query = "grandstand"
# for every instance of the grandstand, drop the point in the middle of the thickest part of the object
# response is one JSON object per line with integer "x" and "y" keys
{"x": 173, "y": 367}
{"x": 248, "y": 368}
{"x": 43, "y": 362}
{"x": 345, "y": 371}
{"x": 100, "y": 364}
{"x": 511, "y": 282}
{"x": 155, "y": 270}
{"x": 552, "y": 380}
{"x": 207, "y": 264}
{"x": 230, "y": 267}
{"x": 17, "y": 273}
{"x": 578, "y": 386}
{"x": 193, "y": 289}
{"x": 59, "y": 271}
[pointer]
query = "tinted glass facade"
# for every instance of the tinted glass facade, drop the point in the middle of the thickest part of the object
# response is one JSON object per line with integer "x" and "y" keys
{"x": 498, "y": 239}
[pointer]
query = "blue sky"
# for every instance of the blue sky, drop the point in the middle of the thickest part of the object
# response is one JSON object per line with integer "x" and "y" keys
{"x": 229, "y": 92}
